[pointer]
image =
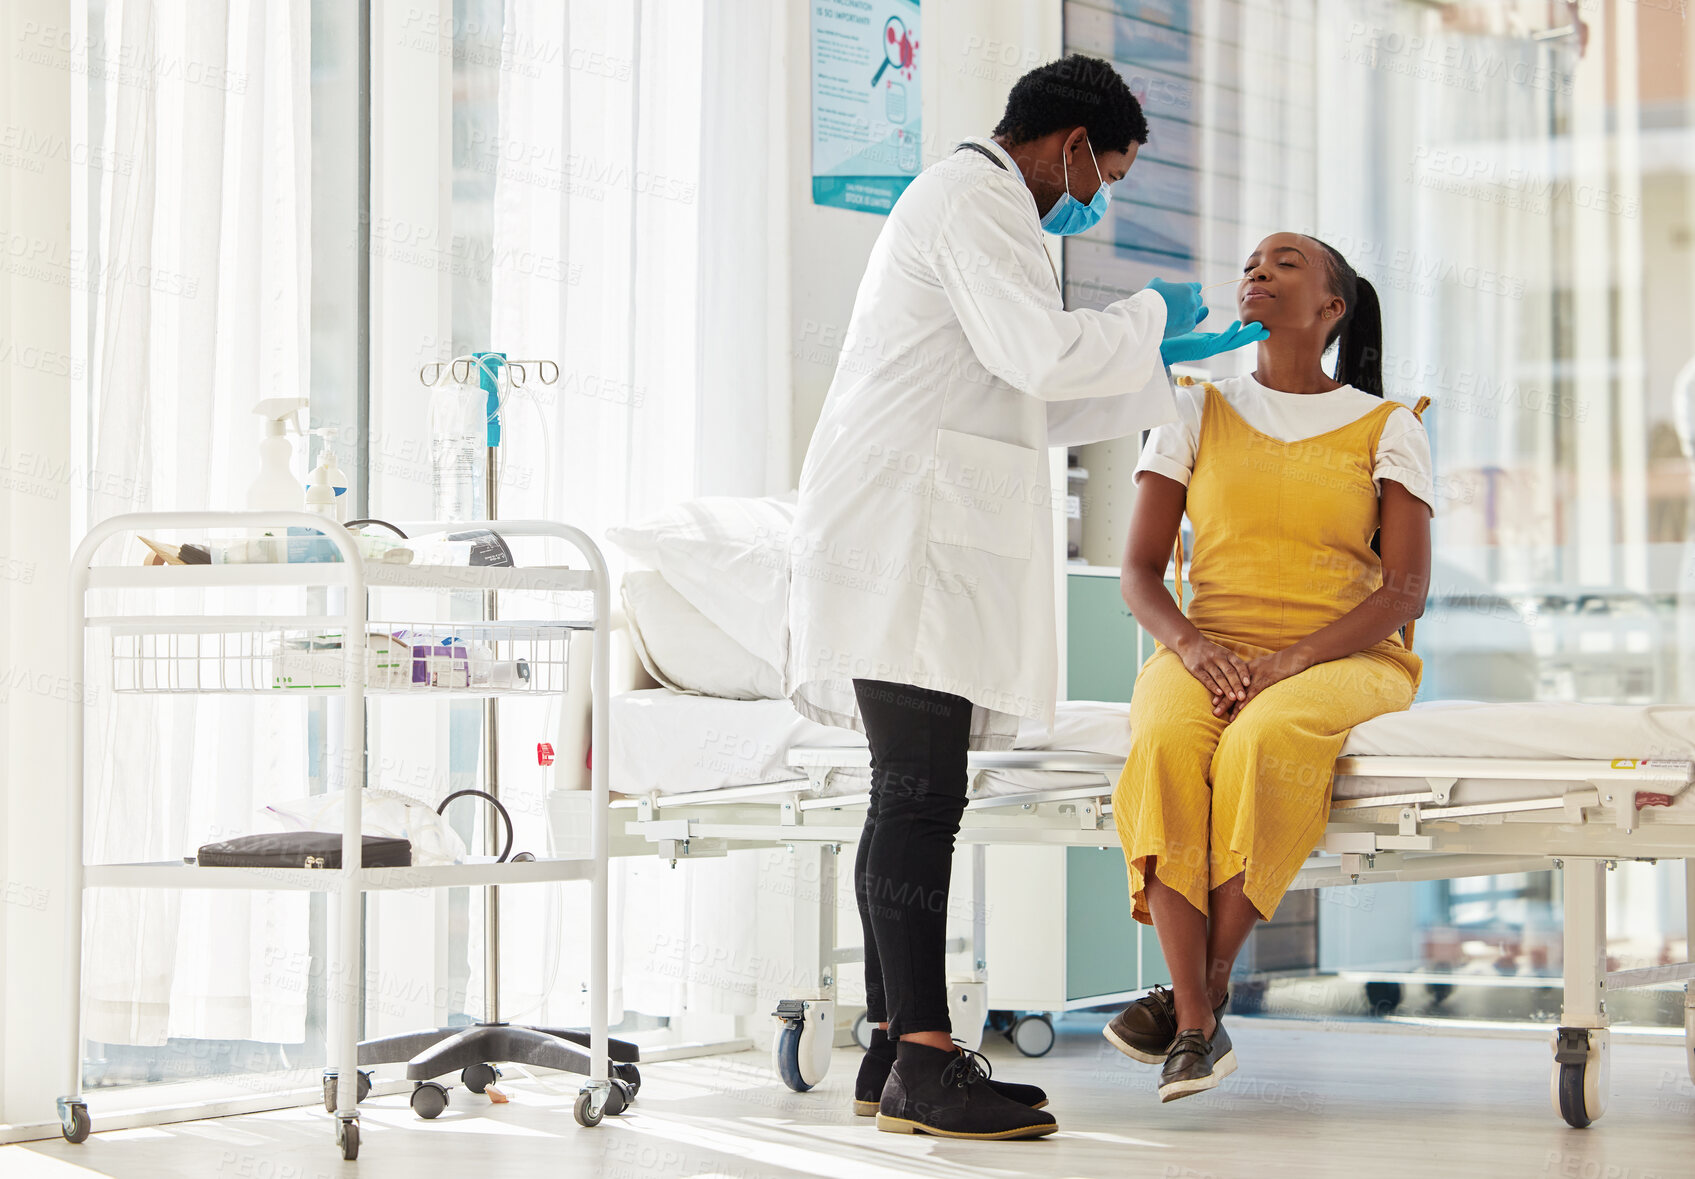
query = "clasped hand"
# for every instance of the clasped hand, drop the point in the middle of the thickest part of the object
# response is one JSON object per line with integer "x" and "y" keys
{"x": 1232, "y": 680}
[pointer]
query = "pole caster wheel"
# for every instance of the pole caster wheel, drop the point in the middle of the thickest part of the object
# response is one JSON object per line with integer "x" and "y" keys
{"x": 347, "y": 1137}
{"x": 862, "y": 1029}
{"x": 618, "y": 1097}
{"x": 429, "y": 1099}
{"x": 74, "y": 1122}
{"x": 362, "y": 1091}
{"x": 630, "y": 1075}
{"x": 1581, "y": 1076}
{"x": 478, "y": 1077}
{"x": 1032, "y": 1035}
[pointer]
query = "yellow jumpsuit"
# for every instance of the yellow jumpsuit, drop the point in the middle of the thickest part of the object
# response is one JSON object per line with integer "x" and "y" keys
{"x": 1283, "y": 536}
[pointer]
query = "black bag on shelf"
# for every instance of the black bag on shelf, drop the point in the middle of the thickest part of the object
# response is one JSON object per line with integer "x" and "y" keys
{"x": 302, "y": 849}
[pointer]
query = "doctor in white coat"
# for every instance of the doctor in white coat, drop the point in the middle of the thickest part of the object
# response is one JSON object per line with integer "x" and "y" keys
{"x": 921, "y": 600}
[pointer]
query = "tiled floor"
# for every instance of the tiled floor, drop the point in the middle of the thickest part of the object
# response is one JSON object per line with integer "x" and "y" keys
{"x": 1308, "y": 1102}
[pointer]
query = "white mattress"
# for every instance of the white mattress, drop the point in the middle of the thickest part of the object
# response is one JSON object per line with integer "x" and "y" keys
{"x": 673, "y": 743}
{"x": 677, "y": 744}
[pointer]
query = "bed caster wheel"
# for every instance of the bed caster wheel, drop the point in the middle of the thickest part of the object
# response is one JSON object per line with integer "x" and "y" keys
{"x": 1383, "y": 997}
{"x": 74, "y": 1122}
{"x": 478, "y": 1077}
{"x": 1032, "y": 1035}
{"x": 1001, "y": 1021}
{"x": 429, "y": 1099}
{"x": 631, "y": 1076}
{"x": 363, "y": 1089}
{"x": 586, "y": 1111}
{"x": 800, "y": 1053}
{"x": 1581, "y": 1076}
{"x": 862, "y": 1029}
{"x": 786, "y": 1053}
{"x": 348, "y": 1139}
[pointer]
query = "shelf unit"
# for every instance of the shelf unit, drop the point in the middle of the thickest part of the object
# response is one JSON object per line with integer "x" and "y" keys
{"x": 191, "y": 651}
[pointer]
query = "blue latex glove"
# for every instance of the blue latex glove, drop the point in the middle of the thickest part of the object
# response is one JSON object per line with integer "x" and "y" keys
{"x": 1200, "y": 345}
{"x": 1183, "y": 309}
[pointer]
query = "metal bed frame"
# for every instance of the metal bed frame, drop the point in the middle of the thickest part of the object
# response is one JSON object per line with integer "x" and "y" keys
{"x": 1593, "y": 815}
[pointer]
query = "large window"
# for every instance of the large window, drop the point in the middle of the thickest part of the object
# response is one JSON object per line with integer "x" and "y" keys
{"x": 1514, "y": 180}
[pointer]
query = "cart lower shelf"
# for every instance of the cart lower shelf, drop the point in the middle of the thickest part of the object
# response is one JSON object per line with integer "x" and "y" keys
{"x": 169, "y": 874}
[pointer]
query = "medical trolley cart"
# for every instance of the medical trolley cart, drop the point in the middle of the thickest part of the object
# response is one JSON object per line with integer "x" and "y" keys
{"x": 192, "y": 649}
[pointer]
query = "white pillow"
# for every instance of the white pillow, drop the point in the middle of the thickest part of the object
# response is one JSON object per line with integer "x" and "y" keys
{"x": 729, "y": 558}
{"x": 682, "y": 649}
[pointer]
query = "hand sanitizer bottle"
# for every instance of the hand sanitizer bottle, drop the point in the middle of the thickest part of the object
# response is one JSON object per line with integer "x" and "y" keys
{"x": 326, "y": 486}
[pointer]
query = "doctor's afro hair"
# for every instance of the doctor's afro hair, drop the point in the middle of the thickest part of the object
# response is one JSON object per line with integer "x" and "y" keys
{"x": 1075, "y": 91}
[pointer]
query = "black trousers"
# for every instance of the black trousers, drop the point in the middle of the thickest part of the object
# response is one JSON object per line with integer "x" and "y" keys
{"x": 919, "y": 740}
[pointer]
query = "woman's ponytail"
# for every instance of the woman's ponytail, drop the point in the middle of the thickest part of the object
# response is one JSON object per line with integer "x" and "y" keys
{"x": 1358, "y": 335}
{"x": 1359, "y": 350}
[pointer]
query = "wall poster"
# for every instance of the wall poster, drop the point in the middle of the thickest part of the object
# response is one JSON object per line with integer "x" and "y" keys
{"x": 865, "y": 109}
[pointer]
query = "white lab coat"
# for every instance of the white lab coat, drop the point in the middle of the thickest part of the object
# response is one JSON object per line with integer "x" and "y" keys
{"x": 922, "y": 550}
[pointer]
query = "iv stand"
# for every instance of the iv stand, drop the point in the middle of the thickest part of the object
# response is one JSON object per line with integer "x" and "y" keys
{"x": 516, "y": 373}
{"x": 491, "y": 783}
{"x": 431, "y": 1053}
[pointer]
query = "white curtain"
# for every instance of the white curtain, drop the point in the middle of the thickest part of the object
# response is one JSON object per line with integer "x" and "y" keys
{"x": 645, "y": 174}
{"x": 641, "y": 267}
{"x": 199, "y": 306}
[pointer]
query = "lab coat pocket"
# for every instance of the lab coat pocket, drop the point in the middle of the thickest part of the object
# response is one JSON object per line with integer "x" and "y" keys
{"x": 986, "y": 494}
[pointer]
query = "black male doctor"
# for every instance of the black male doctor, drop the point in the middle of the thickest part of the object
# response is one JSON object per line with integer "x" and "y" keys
{"x": 921, "y": 603}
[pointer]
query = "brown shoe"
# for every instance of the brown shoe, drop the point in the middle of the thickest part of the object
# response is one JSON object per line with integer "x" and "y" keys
{"x": 1196, "y": 1063}
{"x": 1145, "y": 1030}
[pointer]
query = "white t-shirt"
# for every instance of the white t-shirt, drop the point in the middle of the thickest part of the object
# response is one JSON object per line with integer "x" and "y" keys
{"x": 1403, "y": 451}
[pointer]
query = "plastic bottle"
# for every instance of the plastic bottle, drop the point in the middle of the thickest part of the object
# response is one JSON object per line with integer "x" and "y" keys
{"x": 320, "y": 492}
{"x": 459, "y": 451}
{"x": 326, "y": 486}
{"x": 276, "y": 488}
{"x": 338, "y": 482}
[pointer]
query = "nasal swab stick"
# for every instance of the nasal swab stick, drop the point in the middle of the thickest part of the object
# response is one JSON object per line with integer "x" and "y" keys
{"x": 1225, "y": 283}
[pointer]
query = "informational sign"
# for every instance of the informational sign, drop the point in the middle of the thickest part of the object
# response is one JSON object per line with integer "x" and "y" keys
{"x": 865, "y": 108}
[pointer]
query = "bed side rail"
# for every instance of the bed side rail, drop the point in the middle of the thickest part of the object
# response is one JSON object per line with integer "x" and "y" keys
{"x": 1624, "y": 785}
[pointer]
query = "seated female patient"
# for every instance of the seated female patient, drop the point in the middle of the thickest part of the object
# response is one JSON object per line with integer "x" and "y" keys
{"x": 1293, "y": 635}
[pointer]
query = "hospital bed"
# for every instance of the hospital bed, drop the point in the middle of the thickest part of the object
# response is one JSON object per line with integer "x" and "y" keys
{"x": 1443, "y": 791}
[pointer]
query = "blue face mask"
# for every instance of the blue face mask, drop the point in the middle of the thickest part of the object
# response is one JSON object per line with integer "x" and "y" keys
{"x": 1070, "y": 215}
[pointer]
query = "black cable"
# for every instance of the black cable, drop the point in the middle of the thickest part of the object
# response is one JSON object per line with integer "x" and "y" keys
{"x": 505, "y": 851}
{"x": 352, "y": 524}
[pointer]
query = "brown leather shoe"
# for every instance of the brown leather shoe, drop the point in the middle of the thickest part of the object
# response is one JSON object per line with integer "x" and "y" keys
{"x": 1196, "y": 1063}
{"x": 1145, "y": 1030}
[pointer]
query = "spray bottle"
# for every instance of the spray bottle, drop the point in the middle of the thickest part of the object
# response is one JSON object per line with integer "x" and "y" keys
{"x": 276, "y": 488}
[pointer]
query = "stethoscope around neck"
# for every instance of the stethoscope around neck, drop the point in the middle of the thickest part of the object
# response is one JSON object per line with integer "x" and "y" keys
{"x": 968, "y": 145}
